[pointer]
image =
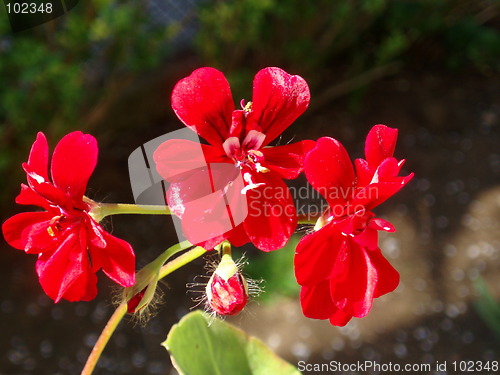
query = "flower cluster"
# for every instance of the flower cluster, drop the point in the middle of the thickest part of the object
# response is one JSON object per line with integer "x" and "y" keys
{"x": 229, "y": 191}
{"x": 340, "y": 266}
{"x": 236, "y": 160}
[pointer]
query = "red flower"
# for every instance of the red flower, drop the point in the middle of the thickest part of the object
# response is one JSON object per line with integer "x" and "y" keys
{"x": 340, "y": 266}
{"x": 70, "y": 244}
{"x": 215, "y": 200}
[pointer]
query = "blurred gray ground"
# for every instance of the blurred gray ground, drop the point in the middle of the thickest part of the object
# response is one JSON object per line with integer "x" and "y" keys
{"x": 448, "y": 235}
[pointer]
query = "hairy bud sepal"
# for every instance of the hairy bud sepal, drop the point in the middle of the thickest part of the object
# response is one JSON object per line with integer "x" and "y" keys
{"x": 142, "y": 293}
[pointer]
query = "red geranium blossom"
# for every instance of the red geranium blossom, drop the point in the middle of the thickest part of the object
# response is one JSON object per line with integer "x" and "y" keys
{"x": 70, "y": 244}
{"x": 340, "y": 266}
{"x": 265, "y": 213}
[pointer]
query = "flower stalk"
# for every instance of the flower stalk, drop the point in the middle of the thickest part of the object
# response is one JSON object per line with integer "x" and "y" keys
{"x": 121, "y": 310}
{"x": 103, "y": 339}
{"x": 100, "y": 210}
{"x": 142, "y": 292}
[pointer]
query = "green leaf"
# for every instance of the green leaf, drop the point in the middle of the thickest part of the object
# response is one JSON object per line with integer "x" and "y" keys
{"x": 200, "y": 348}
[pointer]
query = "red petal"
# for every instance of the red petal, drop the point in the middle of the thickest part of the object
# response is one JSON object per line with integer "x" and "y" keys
{"x": 238, "y": 237}
{"x": 388, "y": 278}
{"x": 381, "y": 224}
{"x": 66, "y": 270}
{"x": 28, "y": 196}
{"x": 17, "y": 229}
{"x": 232, "y": 147}
{"x": 38, "y": 159}
{"x": 340, "y": 318}
{"x": 39, "y": 240}
{"x": 203, "y": 102}
{"x": 287, "y": 161}
{"x": 363, "y": 172}
{"x": 375, "y": 194}
{"x": 95, "y": 236}
{"x": 209, "y": 203}
{"x": 380, "y": 144}
{"x": 177, "y": 158}
{"x": 385, "y": 183}
{"x": 117, "y": 259}
{"x": 316, "y": 301}
{"x": 272, "y": 218}
{"x": 47, "y": 191}
{"x": 278, "y": 99}
{"x": 320, "y": 255}
{"x": 357, "y": 219}
{"x": 212, "y": 242}
{"x": 83, "y": 287}
{"x": 354, "y": 295}
{"x": 73, "y": 162}
{"x": 239, "y": 118}
{"x": 253, "y": 140}
{"x": 367, "y": 239}
{"x": 387, "y": 170}
{"x": 190, "y": 188}
{"x": 329, "y": 170}
{"x": 207, "y": 218}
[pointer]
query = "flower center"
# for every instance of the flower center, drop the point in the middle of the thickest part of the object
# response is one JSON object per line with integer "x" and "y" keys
{"x": 60, "y": 223}
{"x": 351, "y": 220}
{"x": 247, "y": 108}
{"x": 246, "y": 153}
{"x": 55, "y": 225}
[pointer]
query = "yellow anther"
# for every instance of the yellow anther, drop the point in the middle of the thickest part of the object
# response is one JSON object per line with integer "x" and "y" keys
{"x": 54, "y": 222}
{"x": 248, "y": 107}
{"x": 257, "y": 153}
{"x": 260, "y": 168}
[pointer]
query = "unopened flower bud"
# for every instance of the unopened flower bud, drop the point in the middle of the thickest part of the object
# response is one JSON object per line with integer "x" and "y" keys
{"x": 134, "y": 302}
{"x": 141, "y": 295}
{"x": 227, "y": 289}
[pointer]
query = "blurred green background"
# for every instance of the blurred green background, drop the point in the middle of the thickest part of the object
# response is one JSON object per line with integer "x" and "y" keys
{"x": 68, "y": 74}
{"x": 428, "y": 67}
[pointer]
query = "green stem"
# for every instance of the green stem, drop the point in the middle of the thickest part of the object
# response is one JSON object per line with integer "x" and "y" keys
{"x": 171, "y": 251}
{"x": 181, "y": 261}
{"x": 226, "y": 248}
{"x": 305, "y": 219}
{"x": 147, "y": 278}
{"x": 121, "y": 310}
{"x": 102, "y": 210}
